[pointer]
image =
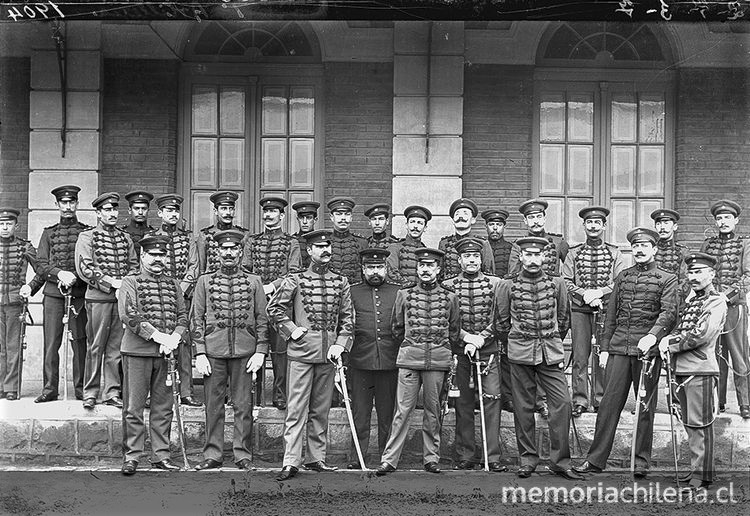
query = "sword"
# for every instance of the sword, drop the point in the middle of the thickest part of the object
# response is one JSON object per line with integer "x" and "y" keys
{"x": 67, "y": 292}
{"x": 453, "y": 391}
{"x": 478, "y": 364}
{"x": 173, "y": 380}
{"x": 646, "y": 366}
{"x": 22, "y": 343}
{"x": 670, "y": 402}
{"x": 253, "y": 377}
{"x": 340, "y": 378}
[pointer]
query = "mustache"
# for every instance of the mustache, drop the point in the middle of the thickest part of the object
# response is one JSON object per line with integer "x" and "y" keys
{"x": 325, "y": 255}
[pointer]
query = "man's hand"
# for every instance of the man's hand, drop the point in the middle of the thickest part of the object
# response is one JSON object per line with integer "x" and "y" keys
{"x": 591, "y": 295}
{"x": 596, "y": 303}
{"x": 646, "y": 343}
{"x": 664, "y": 347}
{"x": 25, "y": 292}
{"x": 203, "y": 365}
{"x": 167, "y": 343}
{"x": 469, "y": 350}
{"x": 603, "y": 357}
{"x": 269, "y": 289}
{"x": 255, "y": 362}
{"x": 67, "y": 278}
{"x": 116, "y": 284}
{"x": 475, "y": 340}
{"x": 334, "y": 352}
{"x": 298, "y": 332}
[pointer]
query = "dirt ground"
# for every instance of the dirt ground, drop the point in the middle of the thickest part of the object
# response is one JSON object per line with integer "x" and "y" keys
{"x": 233, "y": 492}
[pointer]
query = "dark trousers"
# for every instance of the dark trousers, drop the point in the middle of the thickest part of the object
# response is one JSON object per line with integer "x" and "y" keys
{"x": 10, "y": 347}
{"x": 733, "y": 345}
{"x": 369, "y": 386}
{"x": 466, "y": 446}
{"x": 506, "y": 393}
{"x": 54, "y": 310}
{"x": 622, "y": 372}
{"x": 524, "y": 381}
{"x": 141, "y": 375}
{"x": 582, "y": 326}
{"x": 185, "y": 364}
{"x": 278, "y": 362}
{"x": 104, "y": 332}
{"x": 696, "y": 396}
{"x": 215, "y": 385}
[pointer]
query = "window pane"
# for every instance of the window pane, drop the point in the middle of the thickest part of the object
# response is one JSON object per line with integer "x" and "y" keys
{"x": 273, "y": 164}
{"x": 624, "y": 112}
{"x": 575, "y": 232}
{"x": 204, "y": 162}
{"x": 652, "y": 119}
{"x": 555, "y": 217}
{"x": 580, "y": 118}
{"x": 651, "y": 171}
{"x": 204, "y": 110}
{"x": 622, "y": 220}
{"x": 301, "y": 163}
{"x": 231, "y": 162}
{"x": 623, "y": 170}
{"x": 232, "y": 111}
{"x": 274, "y": 111}
{"x": 302, "y": 107}
{"x": 552, "y": 119}
{"x": 298, "y": 197}
{"x": 202, "y": 213}
{"x": 552, "y": 169}
{"x": 644, "y": 212}
{"x": 580, "y": 169}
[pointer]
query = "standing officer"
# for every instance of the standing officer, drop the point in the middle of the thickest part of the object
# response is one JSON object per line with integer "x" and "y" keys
{"x": 139, "y": 202}
{"x": 57, "y": 267}
{"x": 692, "y": 344}
{"x": 476, "y": 299}
{"x": 345, "y": 245}
{"x": 272, "y": 254}
{"x": 372, "y": 359}
{"x": 426, "y": 326}
{"x": 104, "y": 255}
{"x": 307, "y": 216}
{"x": 589, "y": 271}
{"x": 208, "y": 250}
{"x": 402, "y": 260}
{"x": 670, "y": 254}
{"x": 641, "y": 310}
{"x": 495, "y": 220}
{"x": 15, "y": 256}
{"x": 532, "y": 315}
{"x": 464, "y": 214}
{"x": 182, "y": 265}
{"x": 313, "y": 311}
{"x": 379, "y": 216}
{"x": 232, "y": 305}
{"x": 534, "y": 213}
{"x": 732, "y": 272}
{"x": 152, "y": 310}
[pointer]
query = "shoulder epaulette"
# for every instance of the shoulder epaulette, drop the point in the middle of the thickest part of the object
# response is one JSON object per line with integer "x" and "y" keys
{"x": 240, "y": 228}
{"x": 207, "y": 229}
{"x": 580, "y": 244}
{"x": 357, "y": 235}
{"x": 512, "y": 276}
{"x": 683, "y": 246}
{"x": 554, "y": 234}
{"x": 610, "y": 244}
{"x": 53, "y": 226}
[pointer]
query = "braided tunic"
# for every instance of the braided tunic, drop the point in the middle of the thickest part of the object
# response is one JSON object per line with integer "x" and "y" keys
{"x": 591, "y": 266}
{"x": 304, "y": 256}
{"x": 554, "y": 253}
{"x": 182, "y": 256}
{"x": 381, "y": 242}
{"x": 476, "y": 301}
{"x": 57, "y": 253}
{"x": 137, "y": 231}
{"x": 402, "y": 262}
{"x": 272, "y": 254}
{"x": 208, "y": 249}
{"x": 103, "y": 254}
{"x": 451, "y": 267}
{"x": 345, "y": 248}
{"x": 670, "y": 257}
{"x": 15, "y": 256}
{"x": 733, "y": 267}
{"x": 501, "y": 249}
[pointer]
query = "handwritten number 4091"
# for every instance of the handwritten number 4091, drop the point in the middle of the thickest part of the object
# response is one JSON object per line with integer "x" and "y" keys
{"x": 31, "y": 11}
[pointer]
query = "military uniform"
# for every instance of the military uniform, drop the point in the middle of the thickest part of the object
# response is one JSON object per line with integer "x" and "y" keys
{"x": 591, "y": 265}
{"x": 732, "y": 271}
{"x": 380, "y": 240}
{"x": 532, "y": 316}
{"x": 426, "y": 326}
{"x": 205, "y": 243}
{"x": 447, "y": 244}
{"x": 304, "y": 208}
{"x": 147, "y": 303}
{"x": 402, "y": 261}
{"x": 137, "y": 230}
{"x": 372, "y": 358}
{"x": 671, "y": 255}
{"x": 643, "y": 302}
{"x": 501, "y": 249}
{"x": 15, "y": 256}
{"x": 56, "y": 254}
{"x": 228, "y": 325}
{"x": 103, "y": 254}
{"x": 319, "y": 300}
{"x": 555, "y": 253}
{"x": 476, "y": 301}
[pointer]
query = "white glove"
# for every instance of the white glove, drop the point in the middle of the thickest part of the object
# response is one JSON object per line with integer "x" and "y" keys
{"x": 269, "y": 289}
{"x": 25, "y": 292}
{"x": 469, "y": 350}
{"x": 67, "y": 278}
{"x": 334, "y": 352}
{"x": 475, "y": 340}
{"x": 203, "y": 365}
{"x": 298, "y": 332}
{"x": 116, "y": 284}
{"x": 646, "y": 343}
{"x": 255, "y": 362}
{"x": 591, "y": 295}
{"x": 603, "y": 357}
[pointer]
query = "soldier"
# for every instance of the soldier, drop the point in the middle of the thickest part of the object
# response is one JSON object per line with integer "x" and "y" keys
{"x": 692, "y": 345}
{"x": 641, "y": 310}
{"x": 231, "y": 305}
{"x": 589, "y": 271}
{"x": 532, "y": 316}
{"x": 345, "y": 245}
{"x": 307, "y": 216}
{"x": 534, "y": 213}
{"x": 208, "y": 251}
{"x": 372, "y": 358}
{"x": 732, "y": 278}
{"x": 182, "y": 265}
{"x": 402, "y": 262}
{"x": 272, "y": 254}
{"x": 139, "y": 202}
{"x": 313, "y": 311}
{"x": 476, "y": 300}
{"x": 495, "y": 221}
{"x": 670, "y": 255}
{"x": 152, "y": 310}
{"x": 104, "y": 255}
{"x": 464, "y": 214}
{"x": 57, "y": 268}
{"x": 380, "y": 218}
{"x": 426, "y": 326}
{"x": 15, "y": 256}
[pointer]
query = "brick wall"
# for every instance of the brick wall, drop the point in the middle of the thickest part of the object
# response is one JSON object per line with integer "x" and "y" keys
{"x": 139, "y": 133}
{"x": 359, "y": 135}
{"x": 712, "y": 136}
{"x": 14, "y": 136}
{"x": 497, "y": 139}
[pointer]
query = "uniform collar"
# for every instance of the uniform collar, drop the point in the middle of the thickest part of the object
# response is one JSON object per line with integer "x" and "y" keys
{"x": 428, "y": 286}
{"x": 665, "y": 243}
{"x": 641, "y": 267}
{"x": 595, "y": 242}
{"x": 68, "y": 221}
{"x": 341, "y": 234}
{"x": 726, "y": 236}
{"x": 169, "y": 228}
{"x": 221, "y": 226}
{"x": 379, "y": 236}
{"x": 532, "y": 275}
{"x": 105, "y": 227}
{"x": 274, "y": 231}
{"x": 318, "y": 268}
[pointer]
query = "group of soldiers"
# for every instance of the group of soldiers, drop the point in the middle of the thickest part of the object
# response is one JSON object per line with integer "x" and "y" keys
{"x": 477, "y": 313}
